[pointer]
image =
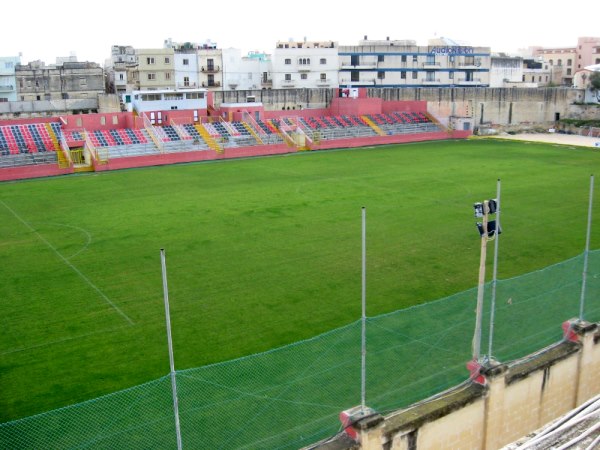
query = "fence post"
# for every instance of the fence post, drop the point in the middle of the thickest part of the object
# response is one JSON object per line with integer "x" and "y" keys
{"x": 363, "y": 371}
{"x": 587, "y": 249}
{"x": 170, "y": 343}
{"x": 495, "y": 272}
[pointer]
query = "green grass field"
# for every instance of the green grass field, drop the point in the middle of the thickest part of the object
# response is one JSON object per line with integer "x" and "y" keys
{"x": 260, "y": 253}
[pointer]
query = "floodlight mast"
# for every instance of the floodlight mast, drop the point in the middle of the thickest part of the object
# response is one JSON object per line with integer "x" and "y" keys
{"x": 481, "y": 283}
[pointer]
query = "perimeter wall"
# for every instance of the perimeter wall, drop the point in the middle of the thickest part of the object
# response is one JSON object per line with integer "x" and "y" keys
{"x": 503, "y": 107}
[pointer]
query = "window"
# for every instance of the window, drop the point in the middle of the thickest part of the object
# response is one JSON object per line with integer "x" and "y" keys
{"x": 82, "y": 81}
{"x": 355, "y": 60}
{"x": 288, "y": 77}
{"x": 430, "y": 59}
{"x": 451, "y": 75}
{"x": 559, "y": 62}
{"x": 380, "y": 58}
{"x": 469, "y": 60}
{"x": 597, "y": 61}
{"x": 568, "y": 71}
{"x": 430, "y": 75}
{"x": 288, "y": 61}
{"x": 415, "y": 74}
{"x": 569, "y": 62}
{"x": 186, "y": 62}
{"x": 304, "y": 76}
{"x": 3, "y": 100}
{"x": 323, "y": 77}
{"x": 167, "y": 75}
{"x": 551, "y": 62}
{"x": 186, "y": 81}
{"x": 403, "y": 75}
{"x": 415, "y": 57}
{"x": 354, "y": 75}
{"x": 323, "y": 61}
{"x": 152, "y": 76}
{"x": 304, "y": 61}
{"x": 540, "y": 80}
{"x": 167, "y": 60}
{"x": 115, "y": 120}
{"x": 102, "y": 120}
{"x": 8, "y": 65}
{"x": 150, "y": 60}
{"x": 121, "y": 77}
{"x": 380, "y": 75}
{"x": 403, "y": 58}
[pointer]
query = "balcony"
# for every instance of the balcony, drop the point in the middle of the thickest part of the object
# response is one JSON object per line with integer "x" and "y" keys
{"x": 210, "y": 69}
{"x": 324, "y": 82}
{"x": 288, "y": 83}
{"x": 187, "y": 85}
{"x": 366, "y": 83}
{"x": 471, "y": 82}
{"x": 6, "y": 88}
{"x": 430, "y": 82}
{"x": 211, "y": 84}
{"x": 470, "y": 65}
{"x": 431, "y": 65}
{"x": 266, "y": 83}
{"x": 362, "y": 66}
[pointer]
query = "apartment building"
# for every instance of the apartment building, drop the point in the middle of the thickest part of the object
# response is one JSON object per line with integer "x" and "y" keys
{"x": 121, "y": 69}
{"x": 402, "y": 63}
{"x": 66, "y": 80}
{"x": 8, "y": 81}
{"x": 305, "y": 64}
{"x": 155, "y": 70}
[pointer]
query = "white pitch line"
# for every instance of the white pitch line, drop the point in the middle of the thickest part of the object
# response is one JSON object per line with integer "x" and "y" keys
{"x": 68, "y": 263}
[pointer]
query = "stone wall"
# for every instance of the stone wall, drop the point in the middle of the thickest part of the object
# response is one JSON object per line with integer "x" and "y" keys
{"x": 488, "y": 107}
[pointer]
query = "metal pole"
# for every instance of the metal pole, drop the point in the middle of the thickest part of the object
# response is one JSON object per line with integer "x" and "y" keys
{"x": 495, "y": 271}
{"x": 587, "y": 249}
{"x": 170, "y": 342}
{"x": 480, "y": 285}
{"x": 363, "y": 369}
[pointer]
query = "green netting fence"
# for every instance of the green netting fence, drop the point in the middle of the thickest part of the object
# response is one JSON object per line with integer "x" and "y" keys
{"x": 292, "y": 396}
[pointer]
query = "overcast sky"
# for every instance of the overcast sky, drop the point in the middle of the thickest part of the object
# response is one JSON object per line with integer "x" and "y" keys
{"x": 46, "y": 29}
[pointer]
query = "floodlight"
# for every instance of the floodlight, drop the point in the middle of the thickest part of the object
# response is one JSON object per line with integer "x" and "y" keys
{"x": 491, "y": 228}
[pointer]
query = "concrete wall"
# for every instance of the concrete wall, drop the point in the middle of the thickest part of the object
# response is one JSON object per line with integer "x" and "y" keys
{"x": 10, "y": 110}
{"x": 512, "y": 401}
{"x": 488, "y": 107}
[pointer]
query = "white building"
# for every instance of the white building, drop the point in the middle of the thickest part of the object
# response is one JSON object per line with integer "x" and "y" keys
{"x": 305, "y": 65}
{"x": 8, "y": 81}
{"x": 506, "y": 71}
{"x": 186, "y": 69}
{"x": 120, "y": 68}
{"x": 166, "y": 100}
{"x": 402, "y": 63}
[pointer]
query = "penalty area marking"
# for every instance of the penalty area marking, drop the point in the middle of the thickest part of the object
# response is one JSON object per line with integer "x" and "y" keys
{"x": 68, "y": 263}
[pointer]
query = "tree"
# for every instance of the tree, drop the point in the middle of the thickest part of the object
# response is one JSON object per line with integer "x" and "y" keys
{"x": 595, "y": 81}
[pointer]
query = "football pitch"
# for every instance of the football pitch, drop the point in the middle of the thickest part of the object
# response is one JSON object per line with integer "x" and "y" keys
{"x": 261, "y": 252}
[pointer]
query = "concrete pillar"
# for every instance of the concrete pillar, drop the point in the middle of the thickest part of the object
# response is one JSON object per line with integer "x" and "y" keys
{"x": 493, "y": 431}
{"x": 588, "y": 382}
